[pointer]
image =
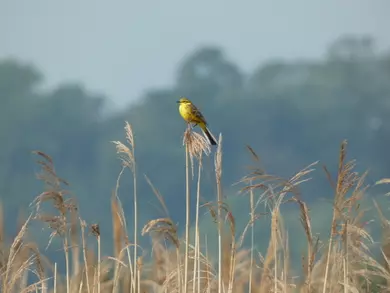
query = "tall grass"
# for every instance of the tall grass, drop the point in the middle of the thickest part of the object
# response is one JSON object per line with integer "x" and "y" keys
{"x": 342, "y": 262}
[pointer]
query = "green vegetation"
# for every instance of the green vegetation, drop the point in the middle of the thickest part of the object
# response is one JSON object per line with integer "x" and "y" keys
{"x": 290, "y": 114}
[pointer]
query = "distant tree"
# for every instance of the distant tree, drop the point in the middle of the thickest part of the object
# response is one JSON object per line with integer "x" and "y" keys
{"x": 352, "y": 48}
{"x": 207, "y": 70}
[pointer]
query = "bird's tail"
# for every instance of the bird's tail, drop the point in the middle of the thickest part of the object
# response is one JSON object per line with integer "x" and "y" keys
{"x": 208, "y": 134}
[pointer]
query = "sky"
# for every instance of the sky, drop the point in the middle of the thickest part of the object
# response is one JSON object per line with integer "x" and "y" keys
{"x": 122, "y": 48}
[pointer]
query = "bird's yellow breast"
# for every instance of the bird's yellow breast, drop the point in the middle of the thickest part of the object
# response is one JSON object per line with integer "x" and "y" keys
{"x": 185, "y": 111}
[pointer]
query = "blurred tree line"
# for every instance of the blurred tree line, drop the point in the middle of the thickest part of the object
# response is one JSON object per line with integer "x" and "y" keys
{"x": 290, "y": 113}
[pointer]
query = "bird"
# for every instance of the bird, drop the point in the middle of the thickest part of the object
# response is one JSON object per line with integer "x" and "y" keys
{"x": 191, "y": 114}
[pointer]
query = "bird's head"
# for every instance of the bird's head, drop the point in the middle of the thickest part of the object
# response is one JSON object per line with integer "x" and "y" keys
{"x": 183, "y": 101}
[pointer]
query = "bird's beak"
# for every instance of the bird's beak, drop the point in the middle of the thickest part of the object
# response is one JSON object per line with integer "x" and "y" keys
{"x": 178, "y": 102}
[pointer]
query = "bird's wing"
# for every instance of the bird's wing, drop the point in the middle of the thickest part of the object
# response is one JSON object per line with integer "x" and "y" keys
{"x": 198, "y": 114}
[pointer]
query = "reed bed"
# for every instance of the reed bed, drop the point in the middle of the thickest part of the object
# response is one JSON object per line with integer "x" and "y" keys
{"x": 340, "y": 262}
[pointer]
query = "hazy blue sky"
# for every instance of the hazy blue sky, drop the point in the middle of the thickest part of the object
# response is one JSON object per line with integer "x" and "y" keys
{"x": 121, "y": 48}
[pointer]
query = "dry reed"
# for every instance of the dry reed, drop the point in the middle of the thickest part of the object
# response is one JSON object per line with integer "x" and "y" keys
{"x": 343, "y": 263}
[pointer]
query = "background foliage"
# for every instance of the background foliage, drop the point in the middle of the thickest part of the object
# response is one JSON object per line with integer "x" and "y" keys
{"x": 291, "y": 113}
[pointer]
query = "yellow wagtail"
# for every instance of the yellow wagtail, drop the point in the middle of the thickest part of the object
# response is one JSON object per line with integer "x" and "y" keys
{"x": 191, "y": 114}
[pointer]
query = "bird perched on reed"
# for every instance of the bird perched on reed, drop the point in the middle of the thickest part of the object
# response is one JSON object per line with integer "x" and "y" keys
{"x": 191, "y": 114}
